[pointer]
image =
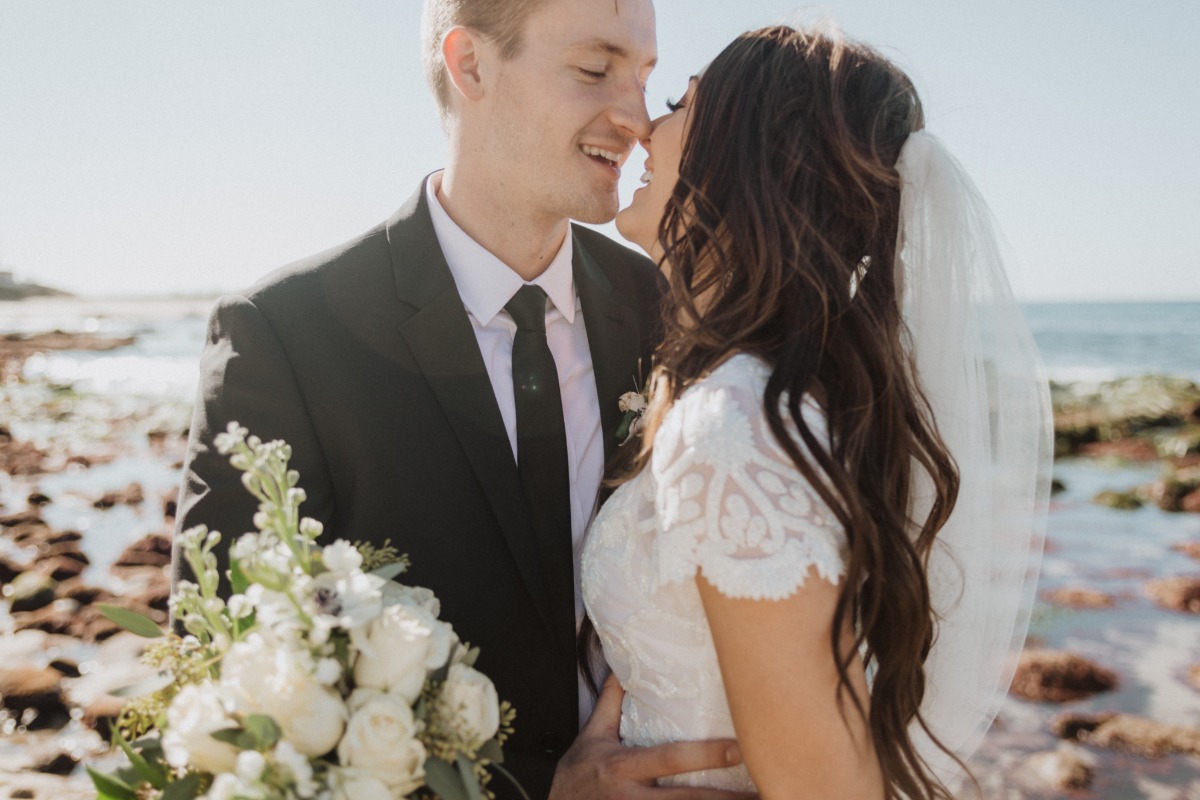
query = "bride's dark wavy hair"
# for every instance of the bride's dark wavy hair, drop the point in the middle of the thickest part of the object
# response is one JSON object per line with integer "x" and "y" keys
{"x": 781, "y": 240}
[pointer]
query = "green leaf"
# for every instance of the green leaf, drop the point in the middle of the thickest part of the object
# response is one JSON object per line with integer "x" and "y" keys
{"x": 491, "y": 751}
{"x": 186, "y": 788}
{"x": 228, "y": 735}
{"x": 509, "y": 776}
{"x": 131, "y": 620}
{"x": 145, "y": 686}
{"x": 263, "y": 731}
{"x": 237, "y": 578}
{"x": 152, "y": 774}
{"x": 445, "y": 780}
{"x": 466, "y": 769}
{"x": 389, "y": 571}
{"x": 109, "y": 787}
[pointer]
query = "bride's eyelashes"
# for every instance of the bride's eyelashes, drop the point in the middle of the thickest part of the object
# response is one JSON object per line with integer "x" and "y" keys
{"x": 674, "y": 105}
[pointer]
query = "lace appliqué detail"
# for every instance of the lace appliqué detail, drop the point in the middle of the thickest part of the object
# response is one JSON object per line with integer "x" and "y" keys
{"x": 720, "y": 497}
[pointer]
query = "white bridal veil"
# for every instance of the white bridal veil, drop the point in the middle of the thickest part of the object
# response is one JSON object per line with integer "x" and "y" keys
{"x": 979, "y": 367}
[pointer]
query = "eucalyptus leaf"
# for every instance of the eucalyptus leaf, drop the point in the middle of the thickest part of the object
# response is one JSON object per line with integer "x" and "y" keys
{"x": 444, "y": 779}
{"x": 186, "y": 788}
{"x": 149, "y": 772}
{"x": 228, "y": 735}
{"x": 145, "y": 686}
{"x": 131, "y": 620}
{"x": 515, "y": 783}
{"x": 466, "y": 769}
{"x": 263, "y": 731}
{"x": 491, "y": 751}
{"x": 109, "y": 787}
{"x": 389, "y": 571}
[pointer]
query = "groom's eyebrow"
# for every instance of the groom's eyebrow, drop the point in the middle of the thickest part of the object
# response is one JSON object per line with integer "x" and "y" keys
{"x": 608, "y": 48}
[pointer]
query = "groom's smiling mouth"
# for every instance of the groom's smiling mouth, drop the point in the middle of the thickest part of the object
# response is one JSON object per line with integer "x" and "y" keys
{"x": 608, "y": 158}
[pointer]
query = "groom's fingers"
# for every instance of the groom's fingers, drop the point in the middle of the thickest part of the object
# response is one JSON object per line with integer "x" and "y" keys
{"x": 646, "y": 764}
{"x": 605, "y": 720}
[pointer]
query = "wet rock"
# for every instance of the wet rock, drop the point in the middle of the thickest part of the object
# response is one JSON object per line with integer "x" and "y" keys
{"x": 37, "y": 500}
{"x": 1057, "y": 486}
{"x": 1121, "y": 501}
{"x": 1194, "y": 677}
{"x": 59, "y": 618}
{"x": 1056, "y": 676}
{"x": 10, "y": 569}
{"x": 101, "y": 711}
{"x": 170, "y": 505}
{"x": 1078, "y": 597}
{"x": 150, "y": 551}
{"x": 82, "y": 593}
{"x": 1126, "y": 449}
{"x": 1180, "y": 593}
{"x": 1073, "y": 725}
{"x": 146, "y": 586}
{"x": 1190, "y": 549}
{"x": 131, "y": 495}
{"x": 25, "y": 688}
{"x": 60, "y": 764}
{"x": 20, "y": 458}
{"x": 1138, "y": 735}
{"x": 1067, "y": 768}
{"x": 65, "y": 667}
{"x": 61, "y": 568}
{"x": 31, "y": 590}
{"x": 1191, "y": 502}
{"x": 20, "y": 518}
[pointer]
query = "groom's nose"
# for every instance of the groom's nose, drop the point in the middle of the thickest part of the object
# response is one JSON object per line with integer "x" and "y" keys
{"x": 629, "y": 110}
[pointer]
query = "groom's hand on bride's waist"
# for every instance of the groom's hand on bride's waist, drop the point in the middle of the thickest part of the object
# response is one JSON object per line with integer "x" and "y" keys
{"x": 599, "y": 767}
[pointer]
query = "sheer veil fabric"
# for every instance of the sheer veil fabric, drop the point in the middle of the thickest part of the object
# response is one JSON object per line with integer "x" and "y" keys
{"x": 980, "y": 370}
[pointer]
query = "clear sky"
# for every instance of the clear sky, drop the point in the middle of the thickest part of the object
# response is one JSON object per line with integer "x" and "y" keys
{"x": 150, "y": 147}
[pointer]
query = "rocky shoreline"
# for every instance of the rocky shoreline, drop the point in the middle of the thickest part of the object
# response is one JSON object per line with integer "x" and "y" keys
{"x": 61, "y": 461}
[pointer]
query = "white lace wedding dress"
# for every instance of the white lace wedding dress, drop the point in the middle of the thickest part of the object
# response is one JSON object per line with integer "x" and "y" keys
{"x": 719, "y": 496}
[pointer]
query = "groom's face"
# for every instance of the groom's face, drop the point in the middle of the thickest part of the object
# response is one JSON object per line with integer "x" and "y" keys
{"x": 569, "y": 107}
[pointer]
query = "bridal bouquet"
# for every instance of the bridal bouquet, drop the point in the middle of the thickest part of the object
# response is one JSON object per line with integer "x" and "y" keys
{"x": 319, "y": 677}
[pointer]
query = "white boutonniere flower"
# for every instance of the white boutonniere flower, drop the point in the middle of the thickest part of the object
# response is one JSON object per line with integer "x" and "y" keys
{"x": 634, "y": 404}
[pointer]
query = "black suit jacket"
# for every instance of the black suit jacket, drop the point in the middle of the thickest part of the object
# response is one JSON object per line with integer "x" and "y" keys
{"x": 364, "y": 360}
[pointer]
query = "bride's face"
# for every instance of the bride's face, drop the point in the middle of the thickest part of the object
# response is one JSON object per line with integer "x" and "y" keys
{"x": 639, "y": 221}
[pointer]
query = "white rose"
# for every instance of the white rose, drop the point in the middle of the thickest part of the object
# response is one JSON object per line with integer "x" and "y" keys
{"x": 400, "y": 648}
{"x": 278, "y": 681}
{"x": 469, "y": 697}
{"x": 632, "y": 401}
{"x": 381, "y": 740}
{"x": 195, "y": 713}
{"x": 229, "y": 787}
{"x": 399, "y": 594}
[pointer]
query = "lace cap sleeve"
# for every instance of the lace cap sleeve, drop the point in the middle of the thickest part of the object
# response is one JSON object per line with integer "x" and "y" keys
{"x": 730, "y": 502}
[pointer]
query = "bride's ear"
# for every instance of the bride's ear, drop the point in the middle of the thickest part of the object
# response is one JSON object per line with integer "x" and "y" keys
{"x": 461, "y": 50}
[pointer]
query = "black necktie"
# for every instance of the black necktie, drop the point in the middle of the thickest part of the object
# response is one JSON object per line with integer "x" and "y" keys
{"x": 542, "y": 449}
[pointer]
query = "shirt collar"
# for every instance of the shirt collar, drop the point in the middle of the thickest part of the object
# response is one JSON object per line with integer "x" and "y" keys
{"x": 486, "y": 283}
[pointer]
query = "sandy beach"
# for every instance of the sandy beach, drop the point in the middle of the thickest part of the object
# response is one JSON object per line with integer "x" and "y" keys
{"x": 95, "y": 399}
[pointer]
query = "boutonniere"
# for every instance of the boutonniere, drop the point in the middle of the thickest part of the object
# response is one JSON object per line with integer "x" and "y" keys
{"x": 634, "y": 405}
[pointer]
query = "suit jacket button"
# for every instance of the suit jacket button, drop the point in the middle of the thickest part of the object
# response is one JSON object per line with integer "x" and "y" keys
{"x": 552, "y": 744}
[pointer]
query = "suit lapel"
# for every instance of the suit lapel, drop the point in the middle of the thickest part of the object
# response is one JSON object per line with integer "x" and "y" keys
{"x": 442, "y": 341}
{"x": 612, "y": 330}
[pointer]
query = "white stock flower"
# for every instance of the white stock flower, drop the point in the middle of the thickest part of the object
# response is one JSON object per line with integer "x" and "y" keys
{"x": 350, "y": 599}
{"x": 355, "y": 784}
{"x": 229, "y": 787}
{"x": 298, "y": 769}
{"x": 250, "y": 765}
{"x": 341, "y": 556}
{"x": 381, "y": 740}
{"x": 469, "y": 697}
{"x": 400, "y": 648}
{"x": 278, "y": 681}
{"x": 195, "y": 713}
{"x": 399, "y": 594}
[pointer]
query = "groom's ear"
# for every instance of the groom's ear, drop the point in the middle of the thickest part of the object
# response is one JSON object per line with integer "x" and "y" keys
{"x": 462, "y": 51}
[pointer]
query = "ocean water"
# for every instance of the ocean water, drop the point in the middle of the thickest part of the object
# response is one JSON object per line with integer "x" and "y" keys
{"x": 1101, "y": 341}
{"x": 1086, "y": 342}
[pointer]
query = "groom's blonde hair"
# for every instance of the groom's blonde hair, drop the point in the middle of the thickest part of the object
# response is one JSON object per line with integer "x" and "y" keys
{"x": 501, "y": 21}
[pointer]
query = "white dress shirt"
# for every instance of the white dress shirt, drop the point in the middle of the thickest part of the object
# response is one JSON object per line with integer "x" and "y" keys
{"x": 486, "y": 284}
